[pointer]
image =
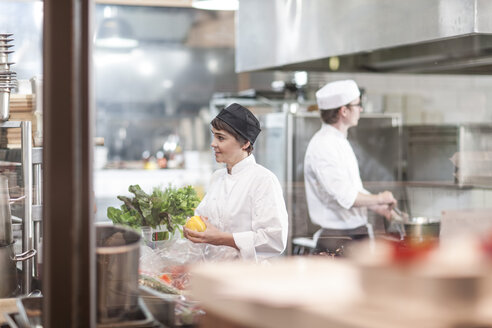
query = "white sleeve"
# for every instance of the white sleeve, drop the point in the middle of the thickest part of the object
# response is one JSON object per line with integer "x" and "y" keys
{"x": 332, "y": 176}
{"x": 269, "y": 222}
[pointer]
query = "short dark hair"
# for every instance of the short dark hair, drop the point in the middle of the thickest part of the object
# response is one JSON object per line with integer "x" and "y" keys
{"x": 330, "y": 116}
{"x": 218, "y": 124}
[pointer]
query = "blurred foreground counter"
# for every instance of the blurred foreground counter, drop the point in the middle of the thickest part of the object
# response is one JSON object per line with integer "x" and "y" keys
{"x": 7, "y": 305}
{"x": 316, "y": 292}
{"x": 281, "y": 294}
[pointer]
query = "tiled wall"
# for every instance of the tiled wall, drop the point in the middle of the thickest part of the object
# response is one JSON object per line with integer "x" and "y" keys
{"x": 423, "y": 99}
{"x": 430, "y": 202}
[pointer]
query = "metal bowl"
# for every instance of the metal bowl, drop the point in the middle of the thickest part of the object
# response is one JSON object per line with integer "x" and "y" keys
{"x": 422, "y": 228}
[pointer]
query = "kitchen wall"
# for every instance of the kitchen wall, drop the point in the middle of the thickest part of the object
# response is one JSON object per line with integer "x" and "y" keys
{"x": 160, "y": 80}
{"x": 157, "y": 79}
{"x": 432, "y": 201}
{"x": 429, "y": 100}
{"x": 423, "y": 99}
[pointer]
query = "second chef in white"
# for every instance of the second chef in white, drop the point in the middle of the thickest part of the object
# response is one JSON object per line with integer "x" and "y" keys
{"x": 336, "y": 199}
{"x": 244, "y": 204}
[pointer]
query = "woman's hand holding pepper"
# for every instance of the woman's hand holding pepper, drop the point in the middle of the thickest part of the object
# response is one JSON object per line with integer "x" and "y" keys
{"x": 211, "y": 235}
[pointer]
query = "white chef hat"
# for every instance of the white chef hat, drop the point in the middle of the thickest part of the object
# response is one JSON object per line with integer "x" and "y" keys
{"x": 336, "y": 94}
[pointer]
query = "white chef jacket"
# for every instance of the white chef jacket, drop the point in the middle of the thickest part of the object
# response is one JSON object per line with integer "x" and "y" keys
{"x": 332, "y": 181}
{"x": 248, "y": 203}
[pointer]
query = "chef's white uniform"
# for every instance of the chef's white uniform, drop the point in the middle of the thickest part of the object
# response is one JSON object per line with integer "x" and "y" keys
{"x": 332, "y": 181}
{"x": 248, "y": 203}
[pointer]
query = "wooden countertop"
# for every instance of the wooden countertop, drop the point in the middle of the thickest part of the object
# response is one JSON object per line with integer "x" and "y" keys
{"x": 312, "y": 292}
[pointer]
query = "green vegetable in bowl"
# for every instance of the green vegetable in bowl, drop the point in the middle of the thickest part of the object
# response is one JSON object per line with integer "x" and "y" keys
{"x": 168, "y": 208}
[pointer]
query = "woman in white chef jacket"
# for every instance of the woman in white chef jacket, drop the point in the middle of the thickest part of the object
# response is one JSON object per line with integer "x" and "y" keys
{"x": 244, "y": 207}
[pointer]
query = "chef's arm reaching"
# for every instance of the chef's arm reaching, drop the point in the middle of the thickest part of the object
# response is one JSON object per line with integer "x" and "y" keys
{"x": 381, "y": 203}
{"x": 383, "y": 210}
{"x": 366, "y": 200}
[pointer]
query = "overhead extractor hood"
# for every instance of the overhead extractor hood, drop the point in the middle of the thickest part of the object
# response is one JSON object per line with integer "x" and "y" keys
{"x": 417, "y": 36}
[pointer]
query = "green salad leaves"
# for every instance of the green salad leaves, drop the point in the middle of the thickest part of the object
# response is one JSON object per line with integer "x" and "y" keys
{"x": 168, "y": 208}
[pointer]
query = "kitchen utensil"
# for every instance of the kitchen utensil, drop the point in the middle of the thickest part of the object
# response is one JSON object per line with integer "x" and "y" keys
{"x": 30, "y": 311}
{"x": 422, "y": 228}
{"x": 8, "y": 78}
{"x": 31, "y": 315}
{"x": 397, "y": 223}
{"x": 5, "y": 64}
{"x": 400, "y": 215}
{"x": 117, "y": 272}
{"x": 5, "y": 215}
{"x": 160, "y": 305}
{"x": 4, "y": 105}
{"x": 8, "y": 269}
{"x": 13, "y": 319}
{"x": 414, "y": 228}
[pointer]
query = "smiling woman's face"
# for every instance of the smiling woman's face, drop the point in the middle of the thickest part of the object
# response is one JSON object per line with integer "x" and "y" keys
{"x": 227, "y": 149}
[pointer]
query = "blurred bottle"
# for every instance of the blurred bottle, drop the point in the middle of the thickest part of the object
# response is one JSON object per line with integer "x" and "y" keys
{"x": 173, "y": 152}
{"x": 161, "y": 160}
{"x": 150, "y": 162}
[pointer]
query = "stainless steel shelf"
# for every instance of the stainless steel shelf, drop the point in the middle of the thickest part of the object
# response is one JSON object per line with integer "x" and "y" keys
{"x": 11, "y": 124}
{"x": 15, "y": 155}
{"x": 24, "y": 155}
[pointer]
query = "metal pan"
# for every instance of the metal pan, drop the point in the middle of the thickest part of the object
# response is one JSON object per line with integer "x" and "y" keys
{"x": 415, "y": 228}
{"x": 422, "y": 228}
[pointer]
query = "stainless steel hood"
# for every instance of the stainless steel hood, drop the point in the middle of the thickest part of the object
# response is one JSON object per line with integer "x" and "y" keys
{"x": 417, "y": 36}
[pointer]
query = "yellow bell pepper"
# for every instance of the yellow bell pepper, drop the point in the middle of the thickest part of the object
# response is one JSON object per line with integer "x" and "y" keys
{"x": 195, "y": 223}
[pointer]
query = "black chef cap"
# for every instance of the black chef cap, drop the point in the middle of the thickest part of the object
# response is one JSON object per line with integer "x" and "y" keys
{"x": 241, "y": 120}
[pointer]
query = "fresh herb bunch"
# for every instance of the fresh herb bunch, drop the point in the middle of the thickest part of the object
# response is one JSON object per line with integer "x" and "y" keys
{"x": 169, "y": 208}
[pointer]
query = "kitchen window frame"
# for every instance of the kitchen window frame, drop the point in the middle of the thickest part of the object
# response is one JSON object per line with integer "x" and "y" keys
{"x": 68, "y": 275}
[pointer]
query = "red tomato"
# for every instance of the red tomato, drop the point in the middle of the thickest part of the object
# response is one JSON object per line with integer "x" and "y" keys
{"x": 166, "y": 278}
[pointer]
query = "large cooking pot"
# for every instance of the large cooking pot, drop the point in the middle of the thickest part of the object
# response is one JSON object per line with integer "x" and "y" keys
{"x": 9, "y": 285}
{"x": 422, "y": 228}
{"x": 413, "y": 228}
{"x": 118, "y": 251}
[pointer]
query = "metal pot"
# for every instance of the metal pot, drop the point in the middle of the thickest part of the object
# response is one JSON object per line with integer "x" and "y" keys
{"x": 8, "y": 269}
{"x": 413, "y": 228}
{"x": 118, "y": 252}
{"x": 5, "y": 217}
{"x": 422, "y": 228}
{"x": 5, "y": 214}
{"x": 4, "y": 104}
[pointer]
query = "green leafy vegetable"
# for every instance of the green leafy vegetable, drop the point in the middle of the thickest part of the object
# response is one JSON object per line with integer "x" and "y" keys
{"x": 168, "y": 208}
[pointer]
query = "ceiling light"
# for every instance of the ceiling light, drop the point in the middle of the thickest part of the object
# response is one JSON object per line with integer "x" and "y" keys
{"x": 115, "y": 33}
{"x": 216, "y": 4}
{"x": 116, "y": 43}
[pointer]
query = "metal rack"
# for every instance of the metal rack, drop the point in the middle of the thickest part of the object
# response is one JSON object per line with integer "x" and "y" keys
{"x": 32, "y": 212}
